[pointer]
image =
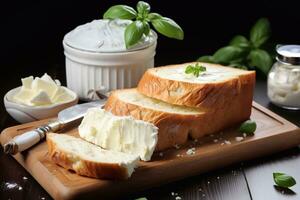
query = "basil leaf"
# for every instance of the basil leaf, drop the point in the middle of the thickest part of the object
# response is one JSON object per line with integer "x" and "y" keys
{"x": 238, "y": 65}
{"x": 189, "y": 69}
{"x": 239, "y": 41}
{"x": 261, "y": 59}
{"x": 248, "y": 127}
{"x": 133, "y": 33}
{"x": 208, "y": 59}
{"x": 195, "y": 69}
{"x": 146, "y": 28}
{"x": 227, "y": 54}
{"x": 283, "y": 180}
{"x": 153, "y": 16}
{"x": 168, "y": 27}
{"x": 143, "y": 7}
{"x": 120, "y": 12}
{"x": 260, "y": 32}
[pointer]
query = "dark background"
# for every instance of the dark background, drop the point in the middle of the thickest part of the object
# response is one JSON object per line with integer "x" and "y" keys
{"x": 32, "y": 30}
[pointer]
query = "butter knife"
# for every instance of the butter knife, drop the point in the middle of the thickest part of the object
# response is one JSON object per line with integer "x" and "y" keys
{"x": 64, "y": 118}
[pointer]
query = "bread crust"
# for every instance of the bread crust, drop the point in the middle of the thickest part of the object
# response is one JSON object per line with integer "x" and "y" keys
{"x": 176, "y": 128}
{"x": 85, "y": 167}
{"x": 204, "y": 96}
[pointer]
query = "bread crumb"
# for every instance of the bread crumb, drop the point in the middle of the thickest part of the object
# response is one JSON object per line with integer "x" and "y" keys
{"x": 191, "y": 151}
{"x": 227, "y": 142}
{"x": 172, "y": 193}
{"x": 25, "y": 178}
{"x": 178, "y": 155}
{"x": 161, "y": 154}
{"x": 177, "y": 146}
{"x": 222, "y": 143}
{"x": 178, "y": 198}
{"x": 216, "y": 140}
{"x": 11, "y": 185}
{"x": 239, "y": 139}
{"x": 20, "y": 188}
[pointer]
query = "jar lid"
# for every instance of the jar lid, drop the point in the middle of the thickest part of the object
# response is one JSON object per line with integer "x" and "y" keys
{"x": 289, "y": 54}
{"x": 105, "y": 36}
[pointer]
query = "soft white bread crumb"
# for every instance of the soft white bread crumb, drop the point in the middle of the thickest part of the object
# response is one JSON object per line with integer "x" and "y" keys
{"x": 89, "y": 160}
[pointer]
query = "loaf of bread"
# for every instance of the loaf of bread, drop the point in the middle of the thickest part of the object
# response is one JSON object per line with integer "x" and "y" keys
{"x": 89, "y": 160}
{"x": 175, "y": 123}
{"x": 213, "y": 89}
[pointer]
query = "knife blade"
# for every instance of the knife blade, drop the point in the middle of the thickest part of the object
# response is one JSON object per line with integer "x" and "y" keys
{"x": 65, "y": 117}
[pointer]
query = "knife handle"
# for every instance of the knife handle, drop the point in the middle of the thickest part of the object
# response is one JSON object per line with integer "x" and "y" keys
{"x": 28, "y": 139}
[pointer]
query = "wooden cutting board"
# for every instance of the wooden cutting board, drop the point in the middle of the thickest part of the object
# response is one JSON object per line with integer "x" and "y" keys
{"x": 273, "y": 134}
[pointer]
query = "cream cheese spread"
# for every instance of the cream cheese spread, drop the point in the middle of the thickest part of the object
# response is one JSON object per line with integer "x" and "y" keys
{"x": 105, "y": 36}
{"x": 124, "y": 134}
{"x": 41, "y": 91}
{"x": 212, "y": 74}
{"x": 284, "y": 86}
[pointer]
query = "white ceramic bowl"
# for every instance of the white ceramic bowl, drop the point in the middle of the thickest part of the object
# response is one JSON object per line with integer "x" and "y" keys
{"x": 23, "y": 113}
{"x": 89, "y": 71}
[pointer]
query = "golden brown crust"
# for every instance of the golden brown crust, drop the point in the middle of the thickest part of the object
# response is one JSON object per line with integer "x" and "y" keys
{"x": 85, "y": 168}
{"x": 176, "y": 128}
{"x": 206, "y": 96}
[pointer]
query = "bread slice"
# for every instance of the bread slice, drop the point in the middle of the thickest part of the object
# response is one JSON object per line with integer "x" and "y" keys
{"x": 124, "y": 134}
{"x": 214, "y": 88}
{"x": 175, "y": 123}
{"x": 89, "y": 160}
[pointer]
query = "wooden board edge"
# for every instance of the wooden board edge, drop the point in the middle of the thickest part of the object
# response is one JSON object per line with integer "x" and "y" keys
{"x": 272, "y": 114}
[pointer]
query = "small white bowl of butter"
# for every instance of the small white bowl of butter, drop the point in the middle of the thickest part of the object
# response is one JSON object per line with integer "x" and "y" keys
{"x": 38, "y": 98}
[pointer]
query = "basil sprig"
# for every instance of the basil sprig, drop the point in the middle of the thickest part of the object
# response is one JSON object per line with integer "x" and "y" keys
{"x": 142, "y": 18}
{"x": 283, "y": 180}
{"x": 248, "y": 127}
{"x": 246, "y": 53}
{"x": 195, "y": 69}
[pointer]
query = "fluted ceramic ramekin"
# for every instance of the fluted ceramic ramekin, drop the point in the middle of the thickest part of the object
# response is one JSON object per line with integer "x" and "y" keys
{"x": 103, "y": 72}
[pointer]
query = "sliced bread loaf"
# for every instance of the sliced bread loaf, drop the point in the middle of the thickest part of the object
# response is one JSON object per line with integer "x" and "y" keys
{"x": 214, "y": 88}
{"x": 89, "y": 160}
{"x": 175, "y": 123}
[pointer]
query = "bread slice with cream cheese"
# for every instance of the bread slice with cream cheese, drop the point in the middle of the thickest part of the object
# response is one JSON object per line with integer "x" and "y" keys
{"x": 212, "y": 89}
{"x": 175, "y": 123}
{"x": 89, "y": 160}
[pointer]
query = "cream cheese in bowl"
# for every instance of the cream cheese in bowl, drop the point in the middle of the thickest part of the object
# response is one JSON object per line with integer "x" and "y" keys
{"x": 97, "y": 58}
{"x": 104, "y": 36}
{"x": 38, "y": 98}
{"x": 41, "y": 92}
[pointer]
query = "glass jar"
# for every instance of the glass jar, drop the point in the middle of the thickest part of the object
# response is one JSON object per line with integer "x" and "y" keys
{"x": 284, "y": 78}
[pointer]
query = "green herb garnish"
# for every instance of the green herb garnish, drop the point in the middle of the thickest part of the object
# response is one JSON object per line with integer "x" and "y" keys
{"x": 283, "y": 180}
{"x": 142, "y": 18}
{"x": 246, "y": 53}
{"x": 248, "y": 127}
{"x": 195, "y": 69}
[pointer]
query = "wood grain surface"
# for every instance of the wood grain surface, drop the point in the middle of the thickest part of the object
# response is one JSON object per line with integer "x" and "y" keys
{"x": 175, "y": 164}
